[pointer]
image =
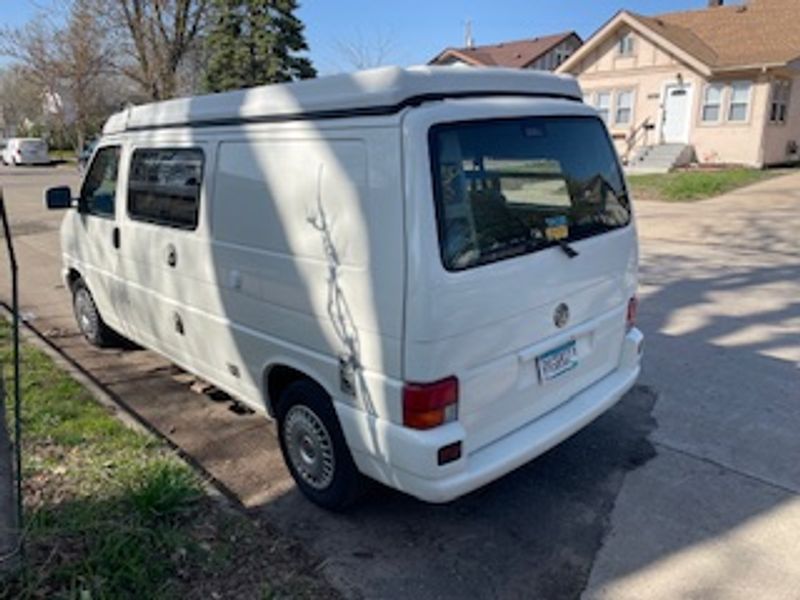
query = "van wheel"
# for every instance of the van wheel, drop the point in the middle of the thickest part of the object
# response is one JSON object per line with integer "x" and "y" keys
{"x": 88, "y": 317}
{"x": 314, "y": 447}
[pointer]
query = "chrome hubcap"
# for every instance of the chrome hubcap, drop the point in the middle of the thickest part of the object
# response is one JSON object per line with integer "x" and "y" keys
{"x": 309, "y": 446}
{"x": 84, "y": 313}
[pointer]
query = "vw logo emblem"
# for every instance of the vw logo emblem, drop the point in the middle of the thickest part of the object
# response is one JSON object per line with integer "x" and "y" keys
{"x": 561, "y": 315}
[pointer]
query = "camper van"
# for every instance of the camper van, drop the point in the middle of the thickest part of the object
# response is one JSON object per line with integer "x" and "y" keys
{"x": 427, "y": 277}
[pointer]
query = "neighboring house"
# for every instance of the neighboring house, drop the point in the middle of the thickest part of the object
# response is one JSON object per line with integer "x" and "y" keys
{"x": 542, "y": 53}
{"x": 724, "y": 80}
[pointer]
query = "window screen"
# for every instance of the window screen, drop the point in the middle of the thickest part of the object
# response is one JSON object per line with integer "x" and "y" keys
{"x": 740, "y": 100}
{"x": 712, "y": 102}
{"x": 624, "y": 107}
{"x": 781, "y": 91}
{"x": 164, "y": 186}
{"x": 603, "y": 105}
{"x": 626, "y": 45}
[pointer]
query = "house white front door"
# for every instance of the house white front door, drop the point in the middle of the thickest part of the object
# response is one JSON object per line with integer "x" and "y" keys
{"x": 677, "y": 111}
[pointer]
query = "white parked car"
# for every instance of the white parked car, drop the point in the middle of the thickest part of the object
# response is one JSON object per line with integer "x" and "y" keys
{"x": 25, "y": 151}
{"x": 426, "y": 276}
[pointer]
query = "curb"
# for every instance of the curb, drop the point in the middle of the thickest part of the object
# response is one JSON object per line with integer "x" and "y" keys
{"x": 213, "y": 488}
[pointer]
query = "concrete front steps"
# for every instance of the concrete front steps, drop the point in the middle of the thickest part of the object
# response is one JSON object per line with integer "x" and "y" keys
{"x": 661, "y": 158}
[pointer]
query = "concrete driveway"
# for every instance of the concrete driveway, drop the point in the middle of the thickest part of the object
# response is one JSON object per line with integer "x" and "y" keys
{"x": 688, "y": 488}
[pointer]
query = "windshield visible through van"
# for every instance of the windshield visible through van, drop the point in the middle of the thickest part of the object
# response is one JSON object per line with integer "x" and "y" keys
{"x": 509, "y": 187}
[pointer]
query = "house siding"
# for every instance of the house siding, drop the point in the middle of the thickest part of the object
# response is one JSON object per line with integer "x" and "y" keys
{"x": 550, "y": 61}
{"x": 645, "y": 72}
{"x": 606, "y": 60}
{"x": 754, "y": 142}
{"x": 732, "y": 142}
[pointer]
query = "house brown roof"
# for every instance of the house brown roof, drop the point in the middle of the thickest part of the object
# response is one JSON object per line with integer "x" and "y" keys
{"x": 759, "y": 32}
{"x": 517, "y": 54}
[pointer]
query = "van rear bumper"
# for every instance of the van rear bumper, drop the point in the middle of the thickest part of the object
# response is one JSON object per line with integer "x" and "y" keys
{"x": 408, "y": 454}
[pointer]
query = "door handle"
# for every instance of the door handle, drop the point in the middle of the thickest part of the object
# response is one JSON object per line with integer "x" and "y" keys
{"x": 172, "y": 256}
{"x": 115, "y": 237}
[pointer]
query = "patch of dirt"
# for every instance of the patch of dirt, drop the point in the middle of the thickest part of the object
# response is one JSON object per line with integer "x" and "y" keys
{"x": 259, "y": 562}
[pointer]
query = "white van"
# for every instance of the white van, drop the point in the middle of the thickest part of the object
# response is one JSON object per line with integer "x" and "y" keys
{"x": 426, "y": 276}
{"x": 25, "y": 151}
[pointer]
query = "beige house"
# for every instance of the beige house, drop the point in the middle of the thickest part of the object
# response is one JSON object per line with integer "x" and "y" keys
{"x": 543, "y": 53}
{"x": 723, "y": 82}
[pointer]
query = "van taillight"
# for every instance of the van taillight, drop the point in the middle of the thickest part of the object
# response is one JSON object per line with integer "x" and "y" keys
{"x": 630, "y": 317}
{"x": 428, "y": 405}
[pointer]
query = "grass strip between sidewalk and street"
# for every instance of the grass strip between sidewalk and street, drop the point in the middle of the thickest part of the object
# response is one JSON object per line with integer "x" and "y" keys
{"x": 690, "y": 186}
{"x": 114, "y": 513}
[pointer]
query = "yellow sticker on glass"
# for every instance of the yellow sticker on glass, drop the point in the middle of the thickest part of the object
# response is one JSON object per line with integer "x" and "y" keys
{"x": 557, "y": 228}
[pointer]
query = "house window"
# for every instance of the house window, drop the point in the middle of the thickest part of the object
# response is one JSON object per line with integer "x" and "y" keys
{"x": 781, "y": 91}
{"x": 562, "y": 54}
{"x": 740, "y": 101}
{"x": 626, "y": 45}
{"x": 712, "y": 103}
{"x": 603, "y": 105}
{"x": 624, "y": 108}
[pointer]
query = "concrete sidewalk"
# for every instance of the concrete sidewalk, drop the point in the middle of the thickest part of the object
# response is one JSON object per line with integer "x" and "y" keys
{"x": 717, "y": 513}
{"x": 689, "y": 488}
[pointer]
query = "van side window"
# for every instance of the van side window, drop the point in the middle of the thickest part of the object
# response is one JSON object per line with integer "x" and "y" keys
{"x": 100, "y": 185}
{"x": 164, "y": 186}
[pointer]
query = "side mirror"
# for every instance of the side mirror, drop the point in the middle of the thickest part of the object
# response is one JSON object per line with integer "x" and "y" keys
{"x": 58, "y": 197}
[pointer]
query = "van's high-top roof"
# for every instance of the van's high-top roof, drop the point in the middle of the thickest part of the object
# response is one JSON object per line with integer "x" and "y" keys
{"x": 373, "y": 92}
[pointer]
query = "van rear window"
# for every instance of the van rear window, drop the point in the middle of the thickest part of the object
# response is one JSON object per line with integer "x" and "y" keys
{"x": 164, "y": 186}
{"x": 505, "y": 188}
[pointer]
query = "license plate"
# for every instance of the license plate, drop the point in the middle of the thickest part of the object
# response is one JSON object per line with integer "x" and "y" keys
{"x": 557, "y": 361}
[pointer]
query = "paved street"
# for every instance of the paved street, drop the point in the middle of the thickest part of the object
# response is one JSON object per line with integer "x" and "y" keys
{"x": 688, "y": 488}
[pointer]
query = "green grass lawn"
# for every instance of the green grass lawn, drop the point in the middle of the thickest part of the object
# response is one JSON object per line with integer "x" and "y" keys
{"x": 65, "y": 155}
{"x": 112, "y": 513}
{"x": 687, "y": 186}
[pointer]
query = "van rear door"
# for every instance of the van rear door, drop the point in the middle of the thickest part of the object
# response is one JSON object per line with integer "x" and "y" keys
{"x": 524, "y": 293}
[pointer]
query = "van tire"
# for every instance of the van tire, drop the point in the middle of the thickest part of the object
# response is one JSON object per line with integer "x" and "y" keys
{"x": 89, "y": 321}
{"x": 314, "y": 447}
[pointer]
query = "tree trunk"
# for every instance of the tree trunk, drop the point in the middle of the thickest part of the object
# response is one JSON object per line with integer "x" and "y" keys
{"x": 9, "y": 532}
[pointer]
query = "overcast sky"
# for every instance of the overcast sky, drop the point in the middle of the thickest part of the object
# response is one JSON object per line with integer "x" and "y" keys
{"x": 419, "y": 29}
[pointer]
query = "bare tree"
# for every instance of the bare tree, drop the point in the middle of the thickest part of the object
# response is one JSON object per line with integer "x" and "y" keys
{"x": 365, "y": 52}
{"x": 68, "y": 63}
{"x": 86, "y": 61}
{"x": 157, "y": 36}
{"x": 20, "y": 100}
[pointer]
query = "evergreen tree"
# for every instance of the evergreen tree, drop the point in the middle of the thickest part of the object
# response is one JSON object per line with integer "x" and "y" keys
{"x": 253, "y": 42}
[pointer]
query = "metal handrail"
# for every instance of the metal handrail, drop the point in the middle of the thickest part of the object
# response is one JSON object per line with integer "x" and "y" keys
{"x": 632, "y": 140}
